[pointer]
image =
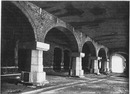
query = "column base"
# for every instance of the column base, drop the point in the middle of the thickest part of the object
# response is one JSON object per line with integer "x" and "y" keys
{"x": 38, "y": 78}
{"x": 91, "y": 70}
{"x": 107, "y": 70}
{"x": 41, "y": 83}
{"x": 81, "y": 73}
{"x": 77, "y": 73}
{"x": 96, "y": 71}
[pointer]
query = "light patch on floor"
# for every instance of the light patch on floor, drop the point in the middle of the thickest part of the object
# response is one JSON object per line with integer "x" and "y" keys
{"x": 48, "y": 92}
{"x": 93, "y": 86}
{"x": 116, "y": 82}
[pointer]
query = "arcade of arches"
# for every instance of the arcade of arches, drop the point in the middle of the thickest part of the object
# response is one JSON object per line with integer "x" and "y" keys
{"x": 58, "y": 48}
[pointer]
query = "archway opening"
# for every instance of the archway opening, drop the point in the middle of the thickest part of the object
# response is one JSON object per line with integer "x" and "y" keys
{"x": 118, "y": 63}
{"x": 126, "y": 59}
{"x": 90, "y": 53}
{"x": 67, "y": 63}
{"x": 24, "y": 59}
{"x": 57, "y": 59}
{"x": 102, "y": 60}
{"x": 61, "y": 39}
{"x": 16, "y": 29}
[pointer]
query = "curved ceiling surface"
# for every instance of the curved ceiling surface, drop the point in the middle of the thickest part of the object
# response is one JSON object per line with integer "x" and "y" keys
{"x": 106, "y": 22}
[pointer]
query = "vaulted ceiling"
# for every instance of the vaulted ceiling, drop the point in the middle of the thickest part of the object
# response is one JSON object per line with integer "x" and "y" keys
{"x": 106, "y": 22}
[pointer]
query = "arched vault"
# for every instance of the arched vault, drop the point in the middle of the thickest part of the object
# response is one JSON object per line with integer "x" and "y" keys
{"x": 91, "y": 47}
{"x": 42, "y": 22}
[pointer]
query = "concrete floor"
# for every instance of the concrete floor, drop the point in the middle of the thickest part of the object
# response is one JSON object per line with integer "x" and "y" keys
{"x": 90, "y": 84}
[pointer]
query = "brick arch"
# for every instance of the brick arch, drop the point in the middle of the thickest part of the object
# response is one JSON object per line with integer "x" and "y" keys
{"x": 91, "y": 47}
{"x": 25, "y": 12}
{"x": 17, "y": 29}
{"x": 42, "y": 22}
{"x": 102, "y": 51}
{"x": 90, "y": 52}
{"x": 67, "y": 32}
{"x": 117, "y": 54}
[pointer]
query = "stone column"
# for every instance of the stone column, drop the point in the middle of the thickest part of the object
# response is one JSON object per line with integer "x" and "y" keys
{"x": 104, "y": 67}
{"x": 107, "y": 66}
{"x": 37, "y": 76}
{"x": 96, "y": 69}
{"x": 62, "y": 61}
{"x": 104, "y": 64}
{"x": 99, "y": 63}
{"x": 77, "y": 64}
{"x": 110, "y": 65}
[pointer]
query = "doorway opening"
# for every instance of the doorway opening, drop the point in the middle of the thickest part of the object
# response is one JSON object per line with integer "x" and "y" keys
{"x": 24, "y": 60}
{"x": 103, "y": 59}
{"x": 90, "y": 53}
{"x": 66, "y": 60}
{"x": 57, "y": 59}
{"x": 118, "y": 64}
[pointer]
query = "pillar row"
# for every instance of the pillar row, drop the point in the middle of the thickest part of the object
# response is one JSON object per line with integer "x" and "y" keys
{"x": 77, "y": 64}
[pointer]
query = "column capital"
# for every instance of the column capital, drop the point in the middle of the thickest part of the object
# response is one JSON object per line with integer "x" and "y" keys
{"x": 42, "y": 46}
{"x": 35, "y": 45}
{"x": 77, "y": 54}
{"x": 99, "y": 58}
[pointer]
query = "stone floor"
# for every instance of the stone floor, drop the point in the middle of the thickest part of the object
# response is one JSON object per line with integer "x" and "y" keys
{"x": 90, "y": 84}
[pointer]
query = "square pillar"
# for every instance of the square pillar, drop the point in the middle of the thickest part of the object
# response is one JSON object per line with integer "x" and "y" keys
{"x": 104, "y": 65}
{"x": 99, "y": 63}
{"x": 107, "y": 66}
{"x": 96, "y": 69}
{"x": 37, "y": 76}
{"x": 77, "y": 64}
